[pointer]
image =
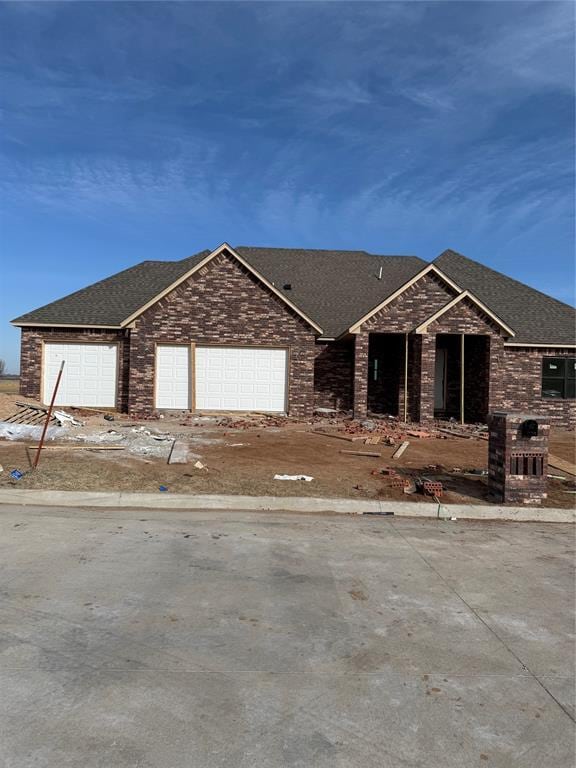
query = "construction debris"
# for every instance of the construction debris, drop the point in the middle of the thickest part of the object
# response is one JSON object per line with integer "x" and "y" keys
{"x": 64, "y": 418}
{"x": 399, "y": 451}
{"x": 306, "y": 478}
{"x": 29, "y": 414}
{"x": 363, "y": 453}
{"x": 179, "y": 453}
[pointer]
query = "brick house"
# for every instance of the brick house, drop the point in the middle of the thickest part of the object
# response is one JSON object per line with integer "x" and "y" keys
{"x": 271, "y": 329}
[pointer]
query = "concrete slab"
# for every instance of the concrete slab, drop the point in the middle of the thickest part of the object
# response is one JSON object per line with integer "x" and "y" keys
{"x": 302, "y": 504}
{"x": 208, "y": 639}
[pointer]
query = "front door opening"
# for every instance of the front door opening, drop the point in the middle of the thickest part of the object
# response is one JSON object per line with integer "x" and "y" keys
{"x": 386, "y": 373}
{"x": 461, "y": 392}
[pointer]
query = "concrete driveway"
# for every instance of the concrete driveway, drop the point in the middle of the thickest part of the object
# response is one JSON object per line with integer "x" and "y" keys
{"x": 196, "y": 640}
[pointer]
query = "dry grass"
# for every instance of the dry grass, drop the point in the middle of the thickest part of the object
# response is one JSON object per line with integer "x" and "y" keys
{"x": 9, "y": 386}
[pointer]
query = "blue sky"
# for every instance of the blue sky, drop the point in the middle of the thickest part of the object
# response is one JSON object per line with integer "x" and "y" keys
{"x": 146, "y": 130}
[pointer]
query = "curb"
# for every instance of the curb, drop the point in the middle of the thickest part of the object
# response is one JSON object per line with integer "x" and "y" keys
{"x": 284, "y": 504}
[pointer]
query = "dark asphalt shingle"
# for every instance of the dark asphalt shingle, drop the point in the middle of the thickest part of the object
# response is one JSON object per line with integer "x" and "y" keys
{"x": 334, "y": 288}
{"x": 534, "y": 316}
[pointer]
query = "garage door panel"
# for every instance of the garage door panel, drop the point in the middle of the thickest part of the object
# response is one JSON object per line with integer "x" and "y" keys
{"x": 173, "y": 377}
{"x": 240, "y": 378}
{"x": 89, "y": 375}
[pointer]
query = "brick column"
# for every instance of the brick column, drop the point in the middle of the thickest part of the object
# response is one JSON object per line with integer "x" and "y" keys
{"x": 496, "y": 378}
{"x": 427, "y": 371}
{"x": 360, "y": 405}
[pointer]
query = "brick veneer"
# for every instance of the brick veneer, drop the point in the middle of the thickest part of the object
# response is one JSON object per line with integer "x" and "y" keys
{"x": 508, "y": 481}
{"x": 361, "y": 342}
{"x": 334, "y": 374}
{"x": 520, "y": 384}
{"x": 31, "y": 356}
{"x": 224, "y": 304}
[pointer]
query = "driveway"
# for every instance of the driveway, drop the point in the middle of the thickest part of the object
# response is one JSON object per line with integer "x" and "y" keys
{"x": 196, "y": 640}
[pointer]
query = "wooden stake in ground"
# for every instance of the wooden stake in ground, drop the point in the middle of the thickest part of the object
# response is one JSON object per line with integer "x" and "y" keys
{"x": 48, "y": 415}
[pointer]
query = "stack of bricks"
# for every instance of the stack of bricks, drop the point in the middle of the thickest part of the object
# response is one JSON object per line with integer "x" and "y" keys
{"x": 517, "y": 461}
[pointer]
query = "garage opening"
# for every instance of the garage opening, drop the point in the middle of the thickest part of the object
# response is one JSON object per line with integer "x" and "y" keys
{"x": 89, "y": 376}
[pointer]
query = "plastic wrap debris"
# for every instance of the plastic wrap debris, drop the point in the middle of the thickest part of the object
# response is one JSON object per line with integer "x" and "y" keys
{"x": 307, "y": 478}
{"x": 12, "y": 431}
{"x": 64, "y": 418}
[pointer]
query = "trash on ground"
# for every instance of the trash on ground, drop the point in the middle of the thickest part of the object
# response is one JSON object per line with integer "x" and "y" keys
{"x": 162, "y": 488}
{"x": 109, "y": 417}
{"x": 16, "y": 474}
{"x": 13, "y": 431}
{"x": 64, "y": 418}
{"x": 307, "y": 478}
{"x": 199, "y": 465}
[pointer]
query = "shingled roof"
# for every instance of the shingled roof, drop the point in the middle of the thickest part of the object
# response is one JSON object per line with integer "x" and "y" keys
{"x": 333, "y": 288}
{"x": 535, "y": 317}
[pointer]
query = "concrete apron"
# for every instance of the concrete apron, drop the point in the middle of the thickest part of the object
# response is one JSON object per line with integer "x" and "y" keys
{"x": 303, "y": 504}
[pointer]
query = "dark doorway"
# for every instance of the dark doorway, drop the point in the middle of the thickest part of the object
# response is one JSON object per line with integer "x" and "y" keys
{"x": 461, "y": 393}
{"x": 386, "y": 373}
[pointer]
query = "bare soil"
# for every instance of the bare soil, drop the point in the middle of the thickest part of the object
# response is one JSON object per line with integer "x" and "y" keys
{"x": 249, "y": 468}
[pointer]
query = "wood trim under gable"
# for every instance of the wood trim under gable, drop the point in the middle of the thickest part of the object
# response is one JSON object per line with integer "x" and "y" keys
{"x": 423, "y": 327}
{"x": 539, "y": 344}
{"x": 66, "y": 325}
{"x": 202, "y": 263}
{"x": 430, "y": 268}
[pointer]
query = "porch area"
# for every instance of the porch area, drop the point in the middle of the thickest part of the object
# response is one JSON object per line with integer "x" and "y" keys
{"x": 424, "y": 376}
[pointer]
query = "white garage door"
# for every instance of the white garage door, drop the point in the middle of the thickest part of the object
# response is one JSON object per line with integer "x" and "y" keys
{"x": 173, "y": 377}
{"x": 240, "y": 379}
{"x": 89, "y": 376}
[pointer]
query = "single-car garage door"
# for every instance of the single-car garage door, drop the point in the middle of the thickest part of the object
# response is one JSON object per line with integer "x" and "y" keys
{"x": 240, "y": 379}
{"x": 173, "y": 377}
{"x": 89, "y": 376}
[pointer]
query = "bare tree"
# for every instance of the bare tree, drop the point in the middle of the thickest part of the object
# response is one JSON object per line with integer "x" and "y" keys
{"x": 2, "y": 367}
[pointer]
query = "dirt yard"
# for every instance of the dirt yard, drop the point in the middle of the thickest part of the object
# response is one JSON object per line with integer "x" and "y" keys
{"x": 243, "y": 459}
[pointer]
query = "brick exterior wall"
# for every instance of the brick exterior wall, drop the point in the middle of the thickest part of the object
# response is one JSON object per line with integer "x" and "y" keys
{"x": 223, "y": 303}
{"x": 360, "y": 402}
{"x": 520, "y": 385}
{"x": 412, "y": 307}
{"x": 334, "y": 374}
{"x": 31, "y": 356}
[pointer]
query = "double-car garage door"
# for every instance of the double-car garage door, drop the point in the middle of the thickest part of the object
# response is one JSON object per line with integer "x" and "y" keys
{"x": 221, "y": 378}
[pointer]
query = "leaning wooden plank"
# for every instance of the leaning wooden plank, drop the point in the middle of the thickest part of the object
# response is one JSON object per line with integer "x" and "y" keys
{"x": 179, "y": 453}
{"x": 558, "y": 463}
{"x": 33, "y": 407}
{"x": 400, "y": 450}
{"x": 374, "y": 454}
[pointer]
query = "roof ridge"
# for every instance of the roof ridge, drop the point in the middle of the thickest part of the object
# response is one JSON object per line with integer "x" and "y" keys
{"x": 452, "y": 252}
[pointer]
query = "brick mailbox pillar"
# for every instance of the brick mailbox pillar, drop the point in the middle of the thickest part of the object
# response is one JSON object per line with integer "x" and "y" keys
{"x": 517, "y": 457}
